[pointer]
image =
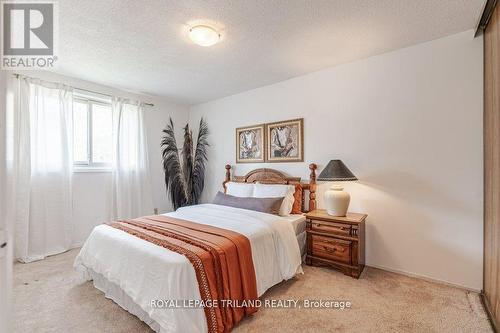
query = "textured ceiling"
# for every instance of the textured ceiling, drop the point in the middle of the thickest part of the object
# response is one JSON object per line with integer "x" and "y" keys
{"x": 142, "y": 45}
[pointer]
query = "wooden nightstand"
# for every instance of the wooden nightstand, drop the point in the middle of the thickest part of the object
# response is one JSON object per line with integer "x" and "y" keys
{"x": 336, "y": 241}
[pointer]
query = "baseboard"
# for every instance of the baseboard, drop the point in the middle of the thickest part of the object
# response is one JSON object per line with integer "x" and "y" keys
{"x": 72, "y": 247}
{"x": 487, "y": 308}
{"x": 426, "y": 278}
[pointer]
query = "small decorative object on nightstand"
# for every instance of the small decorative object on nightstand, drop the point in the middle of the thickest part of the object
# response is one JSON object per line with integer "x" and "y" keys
{"x": 336, "y": 241}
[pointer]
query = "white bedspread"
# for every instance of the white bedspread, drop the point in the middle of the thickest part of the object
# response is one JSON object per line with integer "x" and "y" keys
{"x": 147, "y": 272}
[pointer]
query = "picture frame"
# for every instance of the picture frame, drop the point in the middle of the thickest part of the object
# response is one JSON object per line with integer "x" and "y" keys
{"x": 285, "y": 141}
{"x": 250, "y": 144}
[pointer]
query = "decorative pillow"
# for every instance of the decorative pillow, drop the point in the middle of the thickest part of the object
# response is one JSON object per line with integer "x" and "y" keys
{"x": 240, "y": 189}
{"x": 265, "y": 205}
{"x": 297, "y": 203}
{"x": 277, "y": 191}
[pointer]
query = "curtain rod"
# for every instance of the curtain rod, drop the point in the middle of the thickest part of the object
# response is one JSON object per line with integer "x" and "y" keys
{"x": 86, "y": 90}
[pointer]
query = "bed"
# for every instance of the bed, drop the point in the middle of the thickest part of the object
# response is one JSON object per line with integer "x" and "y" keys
{"x": 135, "y": 273}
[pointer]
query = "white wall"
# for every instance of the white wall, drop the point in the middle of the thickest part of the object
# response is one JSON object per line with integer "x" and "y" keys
{"x": 91, "y": 190}
{"x": 409, "y": 125}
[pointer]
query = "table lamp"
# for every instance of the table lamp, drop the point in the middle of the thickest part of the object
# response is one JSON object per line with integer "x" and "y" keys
{"x": 336, "y": 200}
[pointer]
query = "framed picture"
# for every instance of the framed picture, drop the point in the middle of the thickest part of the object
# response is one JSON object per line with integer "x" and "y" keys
{"x": 250, "y": 144}
{"x": 285, "y": 141}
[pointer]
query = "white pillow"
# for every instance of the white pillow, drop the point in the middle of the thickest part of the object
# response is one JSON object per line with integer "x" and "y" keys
{"x": 276, "y": 191}
{"x": 243, "y": 190}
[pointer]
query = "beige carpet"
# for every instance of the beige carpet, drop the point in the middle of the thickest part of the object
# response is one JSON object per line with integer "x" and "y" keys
{"x": 50, "y": 297}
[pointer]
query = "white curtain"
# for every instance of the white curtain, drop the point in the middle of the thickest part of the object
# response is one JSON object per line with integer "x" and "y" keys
{"x": 131, "y": 194}
{"x": 41, "y": 168}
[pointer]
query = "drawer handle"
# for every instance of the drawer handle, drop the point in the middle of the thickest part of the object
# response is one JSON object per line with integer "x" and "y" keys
{"x": 333, "y": 249}
{"x": 317, "y": 225}
{"x": 329, "y": 249}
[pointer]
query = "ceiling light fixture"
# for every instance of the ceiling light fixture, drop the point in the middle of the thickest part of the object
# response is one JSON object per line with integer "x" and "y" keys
{"x": 204, "y": 35}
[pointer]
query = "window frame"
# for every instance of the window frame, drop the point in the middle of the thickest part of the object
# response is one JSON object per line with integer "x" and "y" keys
{"x": 90, "y": 165}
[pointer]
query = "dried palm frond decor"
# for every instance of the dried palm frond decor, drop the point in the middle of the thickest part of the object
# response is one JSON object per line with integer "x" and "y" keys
{"x": 185, "y": 175}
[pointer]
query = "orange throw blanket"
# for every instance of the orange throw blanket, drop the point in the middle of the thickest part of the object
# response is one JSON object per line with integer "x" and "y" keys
{"x": 222, "y": 260}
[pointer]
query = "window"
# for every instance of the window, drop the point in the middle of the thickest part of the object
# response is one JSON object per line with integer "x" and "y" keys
{"x": 92, "y": 132}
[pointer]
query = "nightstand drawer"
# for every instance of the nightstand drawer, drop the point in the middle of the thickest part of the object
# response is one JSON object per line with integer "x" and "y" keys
{"x": 331, "y": 248}
{"x": 331, "y": 227}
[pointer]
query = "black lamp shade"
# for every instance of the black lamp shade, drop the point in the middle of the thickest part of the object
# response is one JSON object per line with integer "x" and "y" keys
{"x": 336, "y": 171}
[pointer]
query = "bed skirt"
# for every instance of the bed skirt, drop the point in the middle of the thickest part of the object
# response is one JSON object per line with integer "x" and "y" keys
{"x": 117, "y": 295}
{"x": 301, "y": 238}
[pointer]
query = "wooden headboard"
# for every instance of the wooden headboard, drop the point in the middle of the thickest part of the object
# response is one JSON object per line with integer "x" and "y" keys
{"x": 271, "y": 176}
